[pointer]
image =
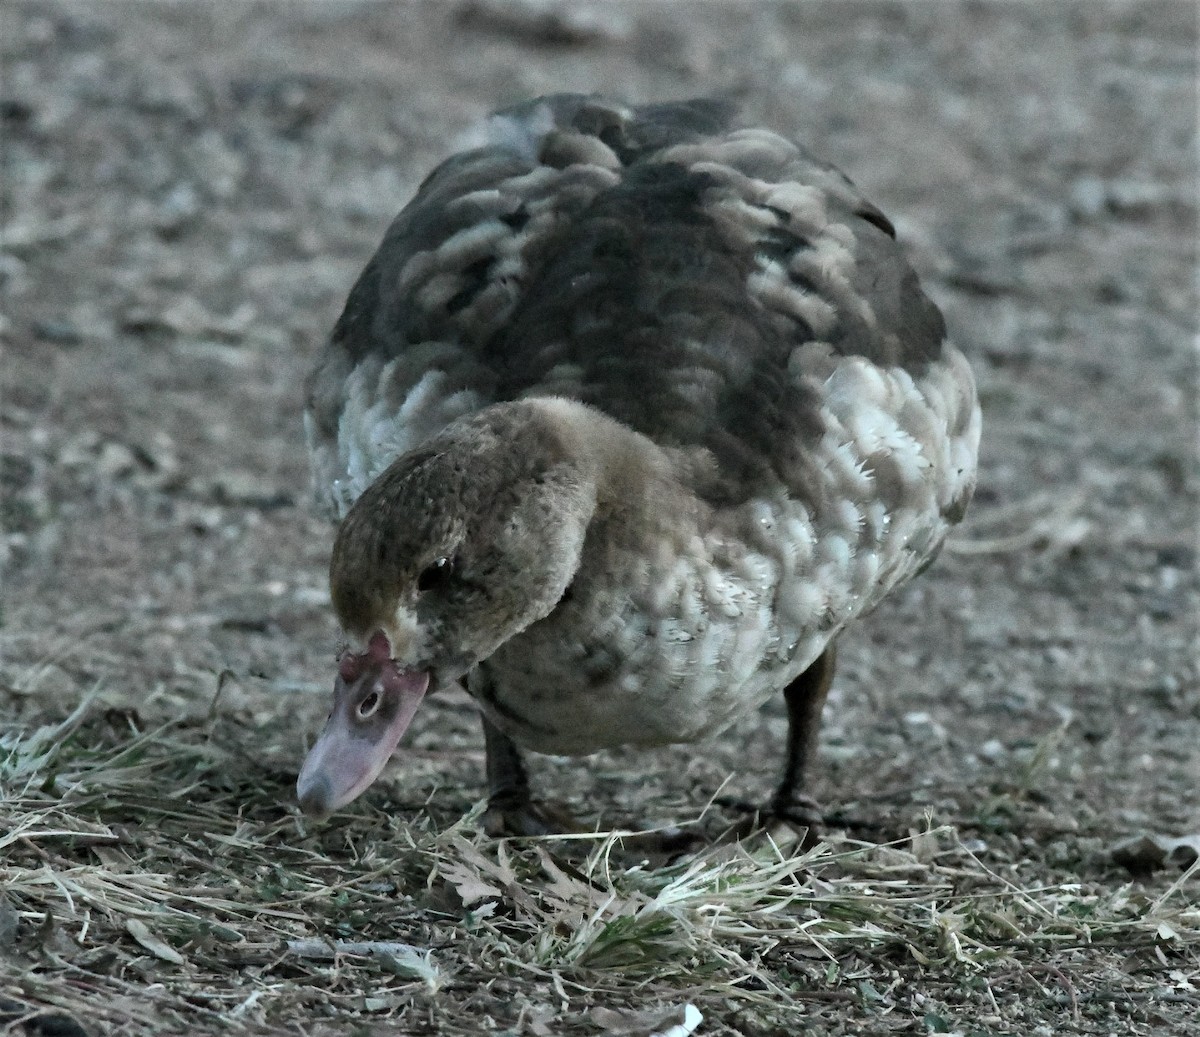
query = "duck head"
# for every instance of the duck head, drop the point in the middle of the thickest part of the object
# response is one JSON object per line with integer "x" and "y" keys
{"x": 455, "y": 548}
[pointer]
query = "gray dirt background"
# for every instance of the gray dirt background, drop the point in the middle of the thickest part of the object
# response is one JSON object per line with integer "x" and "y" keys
{"x": 189, "y": 191}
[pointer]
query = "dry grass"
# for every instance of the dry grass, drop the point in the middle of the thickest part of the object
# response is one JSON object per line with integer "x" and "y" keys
{"x": 158, "y": 880}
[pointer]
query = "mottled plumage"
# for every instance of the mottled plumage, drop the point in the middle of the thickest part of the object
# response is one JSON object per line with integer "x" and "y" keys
{"x": 631, "y": 413}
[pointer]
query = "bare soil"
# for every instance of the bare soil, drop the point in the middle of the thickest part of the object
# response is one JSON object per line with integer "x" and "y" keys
{"x": 189, "y": 191}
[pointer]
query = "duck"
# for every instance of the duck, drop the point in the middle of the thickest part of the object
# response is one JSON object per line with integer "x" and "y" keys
{"x": 633, "y": 411}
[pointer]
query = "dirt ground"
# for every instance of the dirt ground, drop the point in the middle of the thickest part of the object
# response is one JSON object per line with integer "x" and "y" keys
{"x": 189, "y": 191}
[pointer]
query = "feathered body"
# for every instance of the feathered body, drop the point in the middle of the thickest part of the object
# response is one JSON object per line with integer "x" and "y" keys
{"x": 717, "y": 338}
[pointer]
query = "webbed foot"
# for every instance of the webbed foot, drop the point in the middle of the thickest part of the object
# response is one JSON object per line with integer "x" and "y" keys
{"x": 509, "y": 815}
{"x": 797, "y": 817}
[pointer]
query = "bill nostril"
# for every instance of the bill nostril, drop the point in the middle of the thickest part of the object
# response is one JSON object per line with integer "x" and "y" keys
{"x": 368, "y": 706}
{"x": 349, "y": 667}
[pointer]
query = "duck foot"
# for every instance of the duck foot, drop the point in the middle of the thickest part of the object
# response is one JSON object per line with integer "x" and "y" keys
{"x": 508, "y": 818}
{"x": 508, "y": 815}
{"x": 799, "y": 815}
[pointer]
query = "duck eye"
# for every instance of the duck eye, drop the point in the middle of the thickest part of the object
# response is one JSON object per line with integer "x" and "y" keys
{"x": 436, "y": 575}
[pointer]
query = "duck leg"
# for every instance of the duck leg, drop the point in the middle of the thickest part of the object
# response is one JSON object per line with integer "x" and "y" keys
{"x": 509, "y": 800}
{"x": 790, "y": 804}
{"x": 511, "y": 808}
{"x": 805, "y": 698}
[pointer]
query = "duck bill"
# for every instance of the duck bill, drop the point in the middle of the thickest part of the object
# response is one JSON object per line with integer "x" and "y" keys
{"x": 351, "y": 751}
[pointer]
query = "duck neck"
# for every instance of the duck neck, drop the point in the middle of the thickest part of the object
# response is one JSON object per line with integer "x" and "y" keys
{"x": 636, "y": 482}
{"x": 623, "y": 463}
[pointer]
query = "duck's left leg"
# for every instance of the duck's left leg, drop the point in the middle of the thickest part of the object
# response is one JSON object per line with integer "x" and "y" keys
{"x": 805, "y": 698}
{"x": 791, "y": 804}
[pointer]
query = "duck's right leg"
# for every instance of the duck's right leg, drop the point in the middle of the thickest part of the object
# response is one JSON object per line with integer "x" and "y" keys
{"x": 511, "y": 808}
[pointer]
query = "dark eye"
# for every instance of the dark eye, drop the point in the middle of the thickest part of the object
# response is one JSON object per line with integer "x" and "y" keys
{"x": 436, "y": 576}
